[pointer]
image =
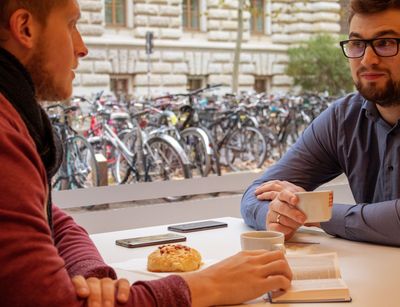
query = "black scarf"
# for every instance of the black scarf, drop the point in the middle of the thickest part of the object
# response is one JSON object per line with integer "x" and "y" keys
{"x": 17, "y": 86}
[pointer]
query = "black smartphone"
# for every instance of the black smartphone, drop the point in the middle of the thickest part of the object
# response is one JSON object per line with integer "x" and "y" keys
{"x": 197, "y": 226}
{"x": 150, "y": 240}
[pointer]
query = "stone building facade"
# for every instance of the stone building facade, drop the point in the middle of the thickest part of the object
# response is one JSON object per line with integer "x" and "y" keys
{"x": 181, "y": 58}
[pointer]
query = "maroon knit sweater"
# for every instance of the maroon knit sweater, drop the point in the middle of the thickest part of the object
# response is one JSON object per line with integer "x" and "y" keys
{"x": 36, "y": 268}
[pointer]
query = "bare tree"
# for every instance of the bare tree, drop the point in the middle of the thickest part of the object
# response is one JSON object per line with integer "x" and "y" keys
{"x": 246, "y": 5}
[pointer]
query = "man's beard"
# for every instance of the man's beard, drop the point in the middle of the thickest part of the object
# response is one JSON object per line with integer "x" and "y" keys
{"x": 388, "y": 96}
{"x": 46, "y": 88}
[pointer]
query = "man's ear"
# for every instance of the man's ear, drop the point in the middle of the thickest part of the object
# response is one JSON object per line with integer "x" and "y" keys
{"x": 23, "y": 28}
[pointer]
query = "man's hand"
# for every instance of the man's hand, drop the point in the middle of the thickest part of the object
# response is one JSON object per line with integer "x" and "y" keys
{"x": 244, "y": 276}
{"x": 101, "y": 292}
{"x": 283, "y": 215}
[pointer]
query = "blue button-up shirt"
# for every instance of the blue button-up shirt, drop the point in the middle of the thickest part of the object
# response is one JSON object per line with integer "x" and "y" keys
{"x": 349, "y": 137}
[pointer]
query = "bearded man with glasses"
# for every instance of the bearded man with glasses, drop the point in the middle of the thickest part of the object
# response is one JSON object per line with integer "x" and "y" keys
{"x": 358, "y": 135}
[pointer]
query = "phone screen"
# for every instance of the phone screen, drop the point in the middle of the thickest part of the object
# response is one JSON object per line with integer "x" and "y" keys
{"x": 150, "y": 240}
{"x": 197, "y": 226}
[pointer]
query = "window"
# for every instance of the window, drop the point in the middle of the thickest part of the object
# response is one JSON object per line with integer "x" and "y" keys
{"x": 120, "y": 85}
{"x": 195, "y": 82}
{"x": 191, "y": 15}
{"x": 262, "y": 84}
{"x": 257, "y": 18}
{"x": 115, "y": 12}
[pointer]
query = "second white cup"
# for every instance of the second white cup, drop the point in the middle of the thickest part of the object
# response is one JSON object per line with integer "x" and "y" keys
{"x": 268, "y": 240}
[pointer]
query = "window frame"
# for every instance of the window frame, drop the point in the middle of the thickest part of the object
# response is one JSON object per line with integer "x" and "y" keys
{"x": 267, "y": 83}
{"x": 266, "y": 19}
{"x": 188, "y": 13}
{"x": 126, "y": 7}
{"x": 196, "y": 78}
{"x": 128, "y": 78}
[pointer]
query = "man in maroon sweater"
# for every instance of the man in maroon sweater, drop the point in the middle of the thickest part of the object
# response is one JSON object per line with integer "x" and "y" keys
{"x": 46, "y": 259}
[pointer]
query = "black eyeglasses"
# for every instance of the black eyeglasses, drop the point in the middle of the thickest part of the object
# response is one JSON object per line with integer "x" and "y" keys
{"x": 384, "y": 47}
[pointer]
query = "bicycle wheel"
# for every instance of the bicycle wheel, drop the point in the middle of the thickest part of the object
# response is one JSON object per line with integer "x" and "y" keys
{"x": 245, "y": 149}
{"x": 125, "y": 171}
{"x": 274, "y": 148}
{"x": 215, "y": 162}
{"x": 164, "y": 161}
{"x": 83, "y": 170}
{"x": 60, "y": 180}
{"x": 195, "y": 145}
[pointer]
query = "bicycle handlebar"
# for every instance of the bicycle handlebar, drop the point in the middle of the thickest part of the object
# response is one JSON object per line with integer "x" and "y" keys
{"x": 189, "y": 94}
{"x": 138, "y": 114}
{"x": 65, "y": 109}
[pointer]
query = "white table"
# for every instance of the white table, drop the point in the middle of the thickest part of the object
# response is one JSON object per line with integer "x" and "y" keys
{"x": 372, "y": 272}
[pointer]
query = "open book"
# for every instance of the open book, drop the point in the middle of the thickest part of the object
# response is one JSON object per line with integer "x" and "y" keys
{"x": 316, "y": 278}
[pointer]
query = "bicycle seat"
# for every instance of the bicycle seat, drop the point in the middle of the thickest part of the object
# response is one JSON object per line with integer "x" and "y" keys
{"x": 120, "y": 116}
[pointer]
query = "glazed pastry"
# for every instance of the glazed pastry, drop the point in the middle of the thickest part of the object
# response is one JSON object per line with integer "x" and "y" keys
{"x": 174, "y": 258}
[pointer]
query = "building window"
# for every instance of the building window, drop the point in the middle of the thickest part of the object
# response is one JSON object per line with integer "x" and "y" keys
{"x": 257, "y": 18}
{"x": 120, "y": 85}
{"x": 262, "y": 84}
{"x": 191, "y": 15}
{"x": 115, "y": 12}
{"x": 195, "y": 82}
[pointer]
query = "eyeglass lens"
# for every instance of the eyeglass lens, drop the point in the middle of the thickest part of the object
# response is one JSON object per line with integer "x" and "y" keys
{"x": 382, "y": 47}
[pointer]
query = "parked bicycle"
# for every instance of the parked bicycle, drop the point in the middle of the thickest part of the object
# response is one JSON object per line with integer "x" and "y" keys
{"x": 195, "y": 138}
{"x": 135, "y": 154}
{"x": 79, "y": 168}
{"x": 238, "y": 139}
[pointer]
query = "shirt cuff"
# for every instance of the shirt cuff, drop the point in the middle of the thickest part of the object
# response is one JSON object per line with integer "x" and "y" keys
{"x": 92, "y": 268}
{"x": 336, "y": 226}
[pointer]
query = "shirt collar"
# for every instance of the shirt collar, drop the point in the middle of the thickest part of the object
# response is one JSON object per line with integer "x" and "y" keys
{"x": 372, "y": 113}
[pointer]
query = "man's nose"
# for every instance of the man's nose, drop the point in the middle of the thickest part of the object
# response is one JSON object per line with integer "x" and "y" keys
{"x": 370, "y": 57}
{"x": 80, "y": 48}
{"x": 83, "y": 52}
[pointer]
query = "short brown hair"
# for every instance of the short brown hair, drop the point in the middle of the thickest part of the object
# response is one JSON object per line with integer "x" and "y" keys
{"x": 371, "y": 6}
{"x": 39, "y": 9}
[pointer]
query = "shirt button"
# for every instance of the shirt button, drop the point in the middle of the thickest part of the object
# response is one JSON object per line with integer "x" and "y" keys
{"x": 390, "y": 168}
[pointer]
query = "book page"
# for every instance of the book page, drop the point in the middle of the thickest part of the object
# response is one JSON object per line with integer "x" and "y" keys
{"x": 314, "y": 266}
{"x": 312, "y": 285}
{"x": 318, "y": 290}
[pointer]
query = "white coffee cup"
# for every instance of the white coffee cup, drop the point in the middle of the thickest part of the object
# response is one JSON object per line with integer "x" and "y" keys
{"x": 268, "y": 240}
{"x": 316, "y": 205}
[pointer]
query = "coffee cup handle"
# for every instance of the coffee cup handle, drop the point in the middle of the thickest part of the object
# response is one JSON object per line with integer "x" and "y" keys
{"x": 279, "y": 247}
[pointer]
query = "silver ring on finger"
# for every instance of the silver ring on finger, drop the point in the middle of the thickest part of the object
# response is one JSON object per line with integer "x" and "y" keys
{"x": 278, "y": 218}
